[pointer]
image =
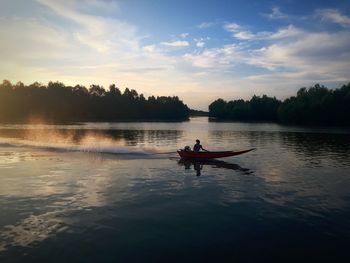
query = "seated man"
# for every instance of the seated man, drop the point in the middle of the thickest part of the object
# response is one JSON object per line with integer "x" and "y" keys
{"x": 187, "y": 149}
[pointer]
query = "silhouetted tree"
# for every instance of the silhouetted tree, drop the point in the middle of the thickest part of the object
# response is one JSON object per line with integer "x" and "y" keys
{"x": 59, "y": 103}
{"x": 257, "y": 109}
{"x": 217, "y": 109}
{"x": 316, "y": 105}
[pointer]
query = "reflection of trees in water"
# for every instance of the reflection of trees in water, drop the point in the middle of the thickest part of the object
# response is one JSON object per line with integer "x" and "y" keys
{"x": 334, "y": 146}
{"x": 199, "y": 164}
{"x": 12, "y": 133}
{"x": 331, "y": 145}
{"x": 77, "y": 136}
{"x": 251, "y": 138}
{"x": 134, "y": 137}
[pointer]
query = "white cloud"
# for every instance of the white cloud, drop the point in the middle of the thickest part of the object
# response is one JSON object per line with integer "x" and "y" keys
{"x": 101, "y": 34}
{"x": 81, "y": 48}
{"x": 28, "y": 46}
{"x": 240, "y": 33}
{"x": 205, "y": 25}
{"x": 215, "y": 58}
{"x": 184, "y": 35}
{"x": 334, "y": 16}
{"x": 149, "y": 48}
{"x": 320, "y": 55}
{"x": 245, "y": 35}
{"x": 232, "y": 27}
{"x": 200, "y": 44}
{"x": 276, "y": 14}
{"x": 97, "y": 6}
{"x": 289, "y": 52}
{"x": 286, "y": 32}
{"x": 177, "y": 43}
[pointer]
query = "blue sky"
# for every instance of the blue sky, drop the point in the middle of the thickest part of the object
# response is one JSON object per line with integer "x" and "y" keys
{"x": 198, "y": 50}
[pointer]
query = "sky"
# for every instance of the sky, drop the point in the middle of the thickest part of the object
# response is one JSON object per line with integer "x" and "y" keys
{"x": 197, "y": 50}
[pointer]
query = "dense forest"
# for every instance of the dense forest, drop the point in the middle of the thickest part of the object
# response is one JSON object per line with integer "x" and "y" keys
{"x": 316, "y": 105}
{"x": 56, "y": 102}
{"x": 59, "y": 103}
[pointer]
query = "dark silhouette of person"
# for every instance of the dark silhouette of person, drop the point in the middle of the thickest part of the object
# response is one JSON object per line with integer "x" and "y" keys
{"x": 198, "y": 167}
{"x": 197, "y": 147}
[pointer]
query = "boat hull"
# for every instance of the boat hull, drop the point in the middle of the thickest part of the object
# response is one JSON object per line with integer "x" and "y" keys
{"x": 210, "y": 155}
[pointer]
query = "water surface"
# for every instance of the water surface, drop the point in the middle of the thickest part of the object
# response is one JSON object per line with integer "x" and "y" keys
{"x": 106, "y": 192}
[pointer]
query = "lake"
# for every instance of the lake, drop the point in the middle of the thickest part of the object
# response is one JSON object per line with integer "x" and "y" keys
{"x": 118, "y": 192}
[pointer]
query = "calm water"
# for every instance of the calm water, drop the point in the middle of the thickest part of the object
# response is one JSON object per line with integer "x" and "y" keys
{"x": 106, "y": 192}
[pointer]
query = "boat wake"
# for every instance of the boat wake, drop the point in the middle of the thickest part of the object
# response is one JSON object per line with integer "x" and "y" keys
{"x": 95, "y": 146}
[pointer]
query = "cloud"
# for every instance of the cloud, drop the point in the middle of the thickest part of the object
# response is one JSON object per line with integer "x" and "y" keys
{"x": 65, "y": 43}
{"x": 232, "y": 27}
{"x": 247, "y": 35}
{"x": 319, "y": 55}
{"x": 333, "y": 16}
{"x": 30, "y": 49}
{"x": 101, "y": 7}
{"x": 149, "y": 48}
{"x": 205, "y": 25}
{"x": 276, "y": 14}
{"x": 215, "y": 58}
{"x": 177, "y": 43}
{"x": 289, "y": 51}
{"x": 200, "y": 44}
{"x": 240, "y": 33}
{"x": 285, "y": 32}
{"x": 100, "y": 33}
{"x": 184, "y": 35}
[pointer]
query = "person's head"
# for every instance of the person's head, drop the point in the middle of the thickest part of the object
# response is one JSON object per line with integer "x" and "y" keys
{"x": 198, "y": 141}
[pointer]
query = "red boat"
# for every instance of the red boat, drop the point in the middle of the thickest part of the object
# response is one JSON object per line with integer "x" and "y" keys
{"x": 210, "y": 155}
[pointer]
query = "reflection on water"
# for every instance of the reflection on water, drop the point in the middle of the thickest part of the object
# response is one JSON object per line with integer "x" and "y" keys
{"x": 108, "y": 193}
{"x": 69, "y": 137}
{"x": 331, "y": 146}
{"x": 31, "y": 229}
{"x": 40, "y": 200}
{"x": 199, "y": 164}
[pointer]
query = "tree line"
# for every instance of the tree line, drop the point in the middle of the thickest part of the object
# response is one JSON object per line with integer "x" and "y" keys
{"x": 316, "y": 105}
{"x": 56, "y": 102}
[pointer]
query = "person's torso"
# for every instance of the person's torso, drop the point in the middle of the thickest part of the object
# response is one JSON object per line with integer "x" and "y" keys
{"x": 197, "y": 147}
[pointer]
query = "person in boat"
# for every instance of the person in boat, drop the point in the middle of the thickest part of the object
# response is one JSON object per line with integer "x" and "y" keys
{"x": 197, "y": 147}
{"x": 187, "y": 149}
